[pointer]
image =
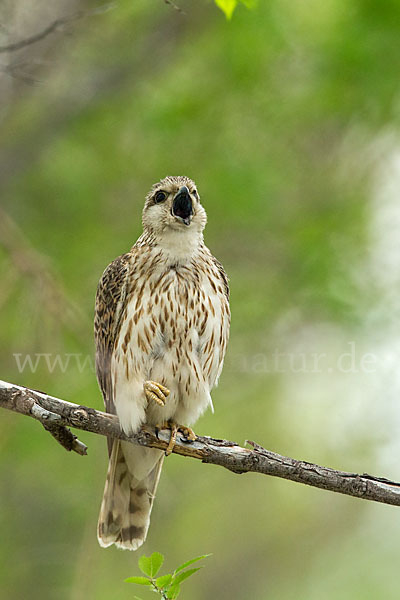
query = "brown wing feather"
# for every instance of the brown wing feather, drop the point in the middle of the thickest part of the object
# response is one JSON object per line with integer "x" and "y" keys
{"x": 110, "y": 304}
{"x": 222, "y": 274}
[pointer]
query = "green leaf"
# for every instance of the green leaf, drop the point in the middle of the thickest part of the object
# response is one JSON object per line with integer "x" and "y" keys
{"x": 190, "y": 562}
{"x": 138, "y": 580}
{"x": 164, "y": 580}
{"x": 173, "y": 590}
{"x": 182, "y": 576}
{"x": 150, "y": 565}
{"x": 227, "y": 6}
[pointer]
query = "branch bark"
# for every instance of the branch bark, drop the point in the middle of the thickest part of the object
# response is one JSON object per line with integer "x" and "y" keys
{"x": 58, "y": 415}
{"x": 54, "y": 26}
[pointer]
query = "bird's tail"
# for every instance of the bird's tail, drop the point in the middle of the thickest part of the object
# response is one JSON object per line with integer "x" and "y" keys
{"x": 131, "y": 484}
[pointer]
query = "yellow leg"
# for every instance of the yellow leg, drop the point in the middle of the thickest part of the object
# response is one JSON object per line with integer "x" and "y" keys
{"x": 156, "y": 392}
{"x": 187, "y": 432}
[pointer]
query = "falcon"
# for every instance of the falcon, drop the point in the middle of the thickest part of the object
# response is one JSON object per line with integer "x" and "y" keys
{"x": 161, "y": 329}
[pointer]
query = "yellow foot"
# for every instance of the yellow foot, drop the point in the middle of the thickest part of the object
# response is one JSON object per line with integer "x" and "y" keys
{"x": 156, "y": 392}
{"x": 188, "y": 434}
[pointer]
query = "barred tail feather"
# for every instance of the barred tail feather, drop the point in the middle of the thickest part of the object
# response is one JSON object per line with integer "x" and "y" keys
{"x": 131, "y": 483}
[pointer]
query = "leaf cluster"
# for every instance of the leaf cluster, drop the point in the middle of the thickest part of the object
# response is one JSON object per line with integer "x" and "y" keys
{"x": 167, "y": 586}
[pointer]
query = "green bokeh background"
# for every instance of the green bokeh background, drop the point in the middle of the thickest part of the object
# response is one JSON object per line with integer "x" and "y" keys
{"x": 287, "y": 117}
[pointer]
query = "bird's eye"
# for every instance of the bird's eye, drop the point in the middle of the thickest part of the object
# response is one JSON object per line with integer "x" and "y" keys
{"x": 195, "y": 194}
{"x": 160, "y": 197}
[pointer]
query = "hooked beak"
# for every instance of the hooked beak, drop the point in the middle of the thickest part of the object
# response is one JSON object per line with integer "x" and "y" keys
{"x": 182, "y": 206}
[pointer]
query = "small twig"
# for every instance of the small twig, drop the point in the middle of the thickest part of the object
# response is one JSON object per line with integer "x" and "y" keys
{"x": 175, "y": 6}
{"x": 66, "y": 438}
{"x": 52, "y": 422}
{"x": 54, "y": 26}
{"x": 63, "y": 435}
{"x": 55, "y": 414}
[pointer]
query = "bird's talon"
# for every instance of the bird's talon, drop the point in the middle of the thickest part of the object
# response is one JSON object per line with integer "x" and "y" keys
{"x": 156, "y": 392}
{"x": 188, "y": 434}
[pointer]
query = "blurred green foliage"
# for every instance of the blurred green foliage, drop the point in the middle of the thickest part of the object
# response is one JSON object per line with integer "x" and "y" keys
{"x": 286, "y": 117}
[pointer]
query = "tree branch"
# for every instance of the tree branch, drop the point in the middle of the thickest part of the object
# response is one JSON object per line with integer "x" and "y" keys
{"x": 56, "y": 25}
{"x": 57, "y": 415}
{"x": 175, "y": 6}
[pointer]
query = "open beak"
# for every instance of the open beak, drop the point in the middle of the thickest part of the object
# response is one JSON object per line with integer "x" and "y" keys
{"x": 182, "y": 206}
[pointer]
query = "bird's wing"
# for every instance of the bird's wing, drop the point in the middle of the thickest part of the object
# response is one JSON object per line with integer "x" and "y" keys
{"x": 215, "y": 336}
{"x": 111, "y": 299}
{"x": 223, "y": 277}
{"x": 133, "y": 471}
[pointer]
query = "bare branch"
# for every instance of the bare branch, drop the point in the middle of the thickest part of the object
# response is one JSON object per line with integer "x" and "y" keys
{"x": 53, "y": 27}
{"x": 54, "y": 413}
{"x": 175, "y": 6}
{"x": 25, "y": 402}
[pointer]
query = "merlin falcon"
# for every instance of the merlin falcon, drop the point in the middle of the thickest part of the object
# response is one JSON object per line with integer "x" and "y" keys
{"x": 161, "y": 329}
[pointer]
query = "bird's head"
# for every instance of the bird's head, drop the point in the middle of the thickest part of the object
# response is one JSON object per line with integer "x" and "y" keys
{"x": 173, "y": 204}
